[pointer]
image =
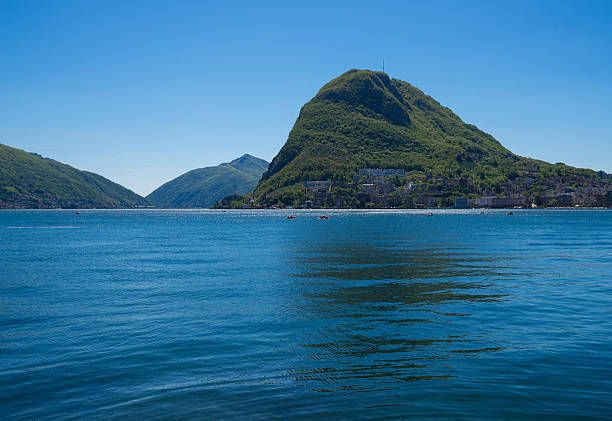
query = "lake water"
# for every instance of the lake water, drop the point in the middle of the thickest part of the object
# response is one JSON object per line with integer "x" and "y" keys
{"x": 247, "y": 315}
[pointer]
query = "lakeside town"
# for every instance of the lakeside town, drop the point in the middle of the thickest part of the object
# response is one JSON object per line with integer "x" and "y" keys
{"x": 393, "y": 188}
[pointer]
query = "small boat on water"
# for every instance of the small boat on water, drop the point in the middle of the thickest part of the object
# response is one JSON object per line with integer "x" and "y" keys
{"x": 323, "y": 217}
{"x": 291, "y": 217}
{"x": 430, "y": 214}
{"x": 77, "y": 213}
{"x": 510, "y": 213}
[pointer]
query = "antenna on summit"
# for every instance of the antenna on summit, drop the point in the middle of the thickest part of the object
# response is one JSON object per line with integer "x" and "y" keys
{"x": 383, "y": 65}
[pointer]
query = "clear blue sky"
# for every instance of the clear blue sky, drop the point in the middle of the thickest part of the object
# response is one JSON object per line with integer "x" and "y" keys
{"x": 142, "y": 91}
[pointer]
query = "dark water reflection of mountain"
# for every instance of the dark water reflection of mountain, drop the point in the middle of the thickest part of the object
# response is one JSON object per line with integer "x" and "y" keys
{"x": 391, "y": 308}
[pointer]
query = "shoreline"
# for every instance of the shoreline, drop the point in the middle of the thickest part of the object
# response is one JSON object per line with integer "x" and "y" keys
{"x": 220, "y": 210}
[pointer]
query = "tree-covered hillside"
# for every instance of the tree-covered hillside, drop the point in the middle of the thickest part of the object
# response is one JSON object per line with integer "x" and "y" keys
{"x": 364, "y": 119}
{"x": 30, "y": 181}
{"x": 202, "y": 187}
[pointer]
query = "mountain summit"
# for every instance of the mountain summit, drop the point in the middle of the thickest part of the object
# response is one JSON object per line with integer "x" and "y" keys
{"x": 202, "y": 187}
{"x": 364, "y": 119}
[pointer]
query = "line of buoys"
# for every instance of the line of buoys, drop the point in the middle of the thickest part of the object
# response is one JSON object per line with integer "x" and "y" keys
{"x": 320, "y": 217}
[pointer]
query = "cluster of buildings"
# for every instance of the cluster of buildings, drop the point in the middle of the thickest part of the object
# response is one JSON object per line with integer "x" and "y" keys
{"x": 30, "y": 201}
{"x": 389, "y": 188}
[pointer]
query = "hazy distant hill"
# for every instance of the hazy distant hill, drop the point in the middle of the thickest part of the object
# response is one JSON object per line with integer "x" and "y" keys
{"x": 364, "y": 119}
{"x": 28, "y": 180}
{"x": 202, "y": 187}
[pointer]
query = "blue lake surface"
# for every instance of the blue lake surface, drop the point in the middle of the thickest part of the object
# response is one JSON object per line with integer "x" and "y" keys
{"x": 160, "y": 314}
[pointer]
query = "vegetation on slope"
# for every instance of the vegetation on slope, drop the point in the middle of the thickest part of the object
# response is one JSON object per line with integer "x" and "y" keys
{"x": 364, "y": 119}
{"x": 31, "y": 181}
{"x": 202, "y": 187}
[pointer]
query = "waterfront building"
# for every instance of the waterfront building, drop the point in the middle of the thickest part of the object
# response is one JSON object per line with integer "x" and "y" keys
{"x": 462, "y": 202}
{"x": 500, "y": 202}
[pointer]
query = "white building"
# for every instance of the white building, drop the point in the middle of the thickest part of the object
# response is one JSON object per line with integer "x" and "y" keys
{"x": 382, "y": 172}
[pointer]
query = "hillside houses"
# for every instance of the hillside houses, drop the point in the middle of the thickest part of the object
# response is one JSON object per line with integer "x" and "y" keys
{"x": 390, "y": 188}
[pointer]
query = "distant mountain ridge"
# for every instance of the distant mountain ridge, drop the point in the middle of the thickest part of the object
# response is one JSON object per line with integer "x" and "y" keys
{"x": 27, "y": 180}
{"x": 203, "y": 187}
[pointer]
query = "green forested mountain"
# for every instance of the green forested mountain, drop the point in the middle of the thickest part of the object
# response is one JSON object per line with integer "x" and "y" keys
{"x": 364, "y": 119}
{"x": 202, "y": 187}
{"x": 30, "y": 181}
